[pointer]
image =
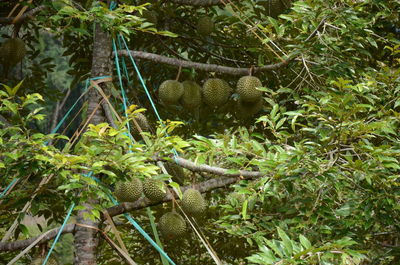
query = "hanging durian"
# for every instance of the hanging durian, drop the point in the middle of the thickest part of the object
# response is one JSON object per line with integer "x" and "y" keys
{"x": 216, "y": 92}
{"x": 170, "y": 92}
{"x": 192, "y": 202}
{"x": 177, "y": 173}
{"x": 129, "y": 191}
{"x": 191, "y": 97}
{"x": 12, "y": 51}
{"x": 172, "y": 225}
{"x": 154, "y": 189}
{"x": 143, "y": 124}
{"x": 246, "y": 88}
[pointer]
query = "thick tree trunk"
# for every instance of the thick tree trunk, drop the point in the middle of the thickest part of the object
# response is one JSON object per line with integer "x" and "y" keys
{"x": 86, "y": 240}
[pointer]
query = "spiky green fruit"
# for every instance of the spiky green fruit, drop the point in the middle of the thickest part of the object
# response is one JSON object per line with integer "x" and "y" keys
{"x": 50, "y": 261}
{"x": 141, "y": 120}
{"x": 177, "y": 173}
{"x": 205, "y": 26}
{"x": 247, "y": 88}
{"x": 192, "y": 202}
{"x": 129, "y": 191}
{"x": 246, "y": 110}
{"x": 154, "y": 190}
{"x": 12, "y": 51}
{"x": 216, "y": 92}
{"x": 172, "y": 225}
{"x": 191, "y": 97}
{"x": 170, "y": 91}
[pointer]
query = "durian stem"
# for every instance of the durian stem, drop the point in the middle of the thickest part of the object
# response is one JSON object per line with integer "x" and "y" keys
{"x": 178, "y": 75}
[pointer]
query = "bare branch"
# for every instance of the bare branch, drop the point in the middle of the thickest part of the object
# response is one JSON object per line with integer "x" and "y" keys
{"x": 20, "y": 244}
{"x": 202, "y": 66}
{"x": 316, "y": 29}
{"x": 216, "y": 170}
{"x": 29, "y": 14}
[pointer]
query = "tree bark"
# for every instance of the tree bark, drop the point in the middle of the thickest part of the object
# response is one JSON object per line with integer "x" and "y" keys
{"x": 86, "y": 240}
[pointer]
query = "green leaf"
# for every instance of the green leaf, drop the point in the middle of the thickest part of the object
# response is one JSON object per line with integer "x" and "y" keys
{"x": 244, "y": 209}
{"x": 287, "y": 243}
{"x": 304, "y": 242}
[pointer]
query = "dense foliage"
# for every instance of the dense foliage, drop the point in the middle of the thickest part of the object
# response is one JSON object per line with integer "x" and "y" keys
{"x": 327, "y": 137}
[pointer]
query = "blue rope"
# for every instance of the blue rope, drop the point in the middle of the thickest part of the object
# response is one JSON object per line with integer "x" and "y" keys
{"x": 141, "y": 80}
{"x": 8, "y": 187}
{"x": 130, "y": 219}
{"x": 146, "y": 90}
{"x": 123, "y": 62}
{"x": 71, "y": 208}
{"x": 122, "y": 87}
{"x": 141, "y": 231}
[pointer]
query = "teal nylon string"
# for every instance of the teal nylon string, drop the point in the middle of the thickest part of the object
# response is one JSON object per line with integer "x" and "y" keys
{"x": 141, "y": 231}
{"x": 123, "y": 61}
{"x": 71, "y": 208}
{"x": 130, "y": 219}
{"x": 146, "y": 90}
{"x": 121, "y": 85}
{"x": 76, "y": 102}
{"x": 8, "y": 187}
{"x": 133, "y": 222}
{"x": 141, "y": 80}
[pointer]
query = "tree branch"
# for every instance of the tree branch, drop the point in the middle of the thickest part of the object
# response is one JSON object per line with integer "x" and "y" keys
{"x": 21, "y": 244}
{"x": 216, "y": 170}
{"x": 29, "y": 14}
{"x": 202, "y": 66}
{"x": 205, "y": 186}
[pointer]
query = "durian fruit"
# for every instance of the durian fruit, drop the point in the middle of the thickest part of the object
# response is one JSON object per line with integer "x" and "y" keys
{"x": 191, "y": 97}
{"x": 12, "y": 51}
{"x": 129, "y": 191}
{"x": 170, "y": 91}
{"x": 150, "y": 16}
{"x": 192, "y": 202}
{"x": 172, "y": 225}
{"x": 205, "y": 25}
{"x": 246, "y": 110}
{"x": 50, "y": 261}
{"x": 154, "y": 189}
{"x": 246, "y": 88}
{"x": 177, "y": 173}
{"x": 216, "y": 92}
{"x": 142, "y": 122}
